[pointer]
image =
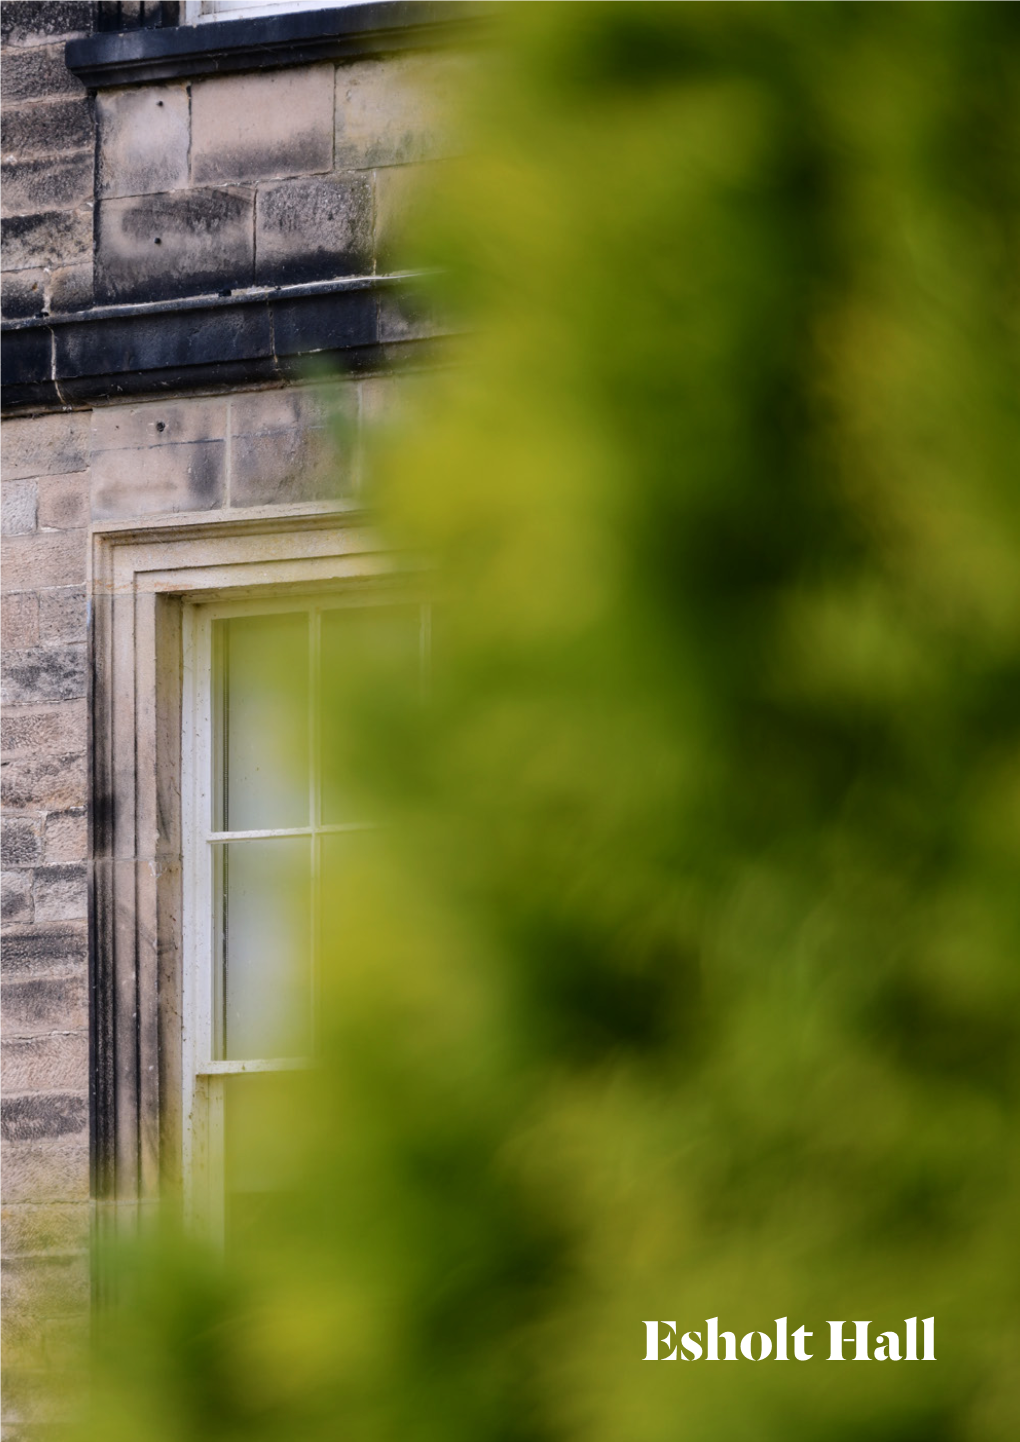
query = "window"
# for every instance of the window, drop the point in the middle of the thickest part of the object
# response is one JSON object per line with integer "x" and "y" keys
{"x": 269, "y": 815}
{"x": 156, "y": 584}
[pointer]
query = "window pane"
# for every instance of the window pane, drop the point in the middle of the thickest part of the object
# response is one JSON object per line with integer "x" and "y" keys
{"x": 263, "y": 722}
{"x": 266, "y": 965}
{"x": 377, "y": 651}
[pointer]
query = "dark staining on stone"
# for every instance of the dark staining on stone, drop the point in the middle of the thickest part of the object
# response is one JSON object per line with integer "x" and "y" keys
{"x": 71, "y": 288}
{"x": 51, "y": 237}
{"x": 194, "y": 213}
{"x": 55, "y": 182}
{"x": 21, "y": 843}
{"x": 65, "y": 874}
{"x": 48, "y": 128}
{"x": 50, "y": 673}
{"x": 61, "y": 949}
{"x": 39, "y": 1002}
{"x": 205, "y": 476}
{"x": 311, "y": 228}
{"x": 22, "y": 294}
{"x": 33, "y": 22}
{"x": 38, "y": 73}
{"x": 43, "y": 1117}
{"x": 159, "y": 247}
{"x": 32, "y": 781}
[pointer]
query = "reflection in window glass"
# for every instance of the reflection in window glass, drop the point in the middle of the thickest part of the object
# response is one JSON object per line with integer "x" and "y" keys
{"x": 266, "y": 965}
{"x": 264, "y": 722}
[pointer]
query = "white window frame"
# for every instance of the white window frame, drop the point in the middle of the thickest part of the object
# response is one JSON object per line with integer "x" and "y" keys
{"x": 203, "y": 1074}
{"x": 143, "y": 578}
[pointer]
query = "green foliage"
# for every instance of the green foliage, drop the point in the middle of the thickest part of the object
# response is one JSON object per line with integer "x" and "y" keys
{"x": 684, "y": 982}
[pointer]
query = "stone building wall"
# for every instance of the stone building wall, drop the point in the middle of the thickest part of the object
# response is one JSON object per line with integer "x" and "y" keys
{"x": 266, "y": 179}
{"x": 156, "y": 192}
{"x": 47, "y": 139}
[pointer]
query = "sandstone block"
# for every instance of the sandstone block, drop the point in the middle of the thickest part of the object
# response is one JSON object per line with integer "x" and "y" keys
{"x": 54, "y": 1286}
{"x": 283, "y": 466}
{"x": 306, "y": 229}
{"x": 66, "y": 837}
{"x": 16, "y": 896}
{"x": 143, "y": 140}
{"x": 46, "y": 783}
{"x": 161, "y": 479}
{"x": 49, "y": 558}
{"x": 19, "y": 621}
{"x": 18, "y": 507}
{"x": 37, "y": 951}
{"x": 48, "y": 1116}
{"x": 20, "y": 841}
{"x": 62, "y": 614}
{"x": 158, "y": 423}
{"x": 38, "y": 73}
{"x": 54, "y": 183}
{"x": 46, "y": 1003}
{"x": 61, "y": 893}
{"x": 46, "y": 127}
{"x": 42, "y": 1173}
{"x": 63, "y": 502}
{"x": 394, "y": 110}
{"x": 45, "y": 445}
{"x": 46, "y": 1063}
{"x": 52, "y": 1228}
{"x": 54, "y": 237}
{"x": 191, "y": 242}
{"x": 57, "y": 728}
{"x": 259, "y": 126}
{"x": 23, "y": 293}
{"x": 71, "y": 287}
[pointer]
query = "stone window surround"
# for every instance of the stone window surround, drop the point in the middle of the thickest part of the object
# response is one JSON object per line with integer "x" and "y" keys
{"x": 141, "y": 575}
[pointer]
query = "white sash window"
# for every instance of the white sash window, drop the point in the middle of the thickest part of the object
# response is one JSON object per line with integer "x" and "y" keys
{"x": 268, "y": 818}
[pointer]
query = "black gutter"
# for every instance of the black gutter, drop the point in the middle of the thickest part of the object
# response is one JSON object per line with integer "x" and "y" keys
{"x": 135, "y": 57}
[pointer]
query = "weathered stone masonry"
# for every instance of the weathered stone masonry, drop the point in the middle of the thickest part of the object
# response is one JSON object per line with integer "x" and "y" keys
{"x": 181, "y": 233}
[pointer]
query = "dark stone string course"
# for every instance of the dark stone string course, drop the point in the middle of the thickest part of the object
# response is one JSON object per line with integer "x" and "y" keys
{"x": 211, "y": 343}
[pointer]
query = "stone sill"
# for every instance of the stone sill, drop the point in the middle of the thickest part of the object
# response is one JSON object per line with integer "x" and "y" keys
{"x": 211, "y": 343}
{"x": 135, "y": 57}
